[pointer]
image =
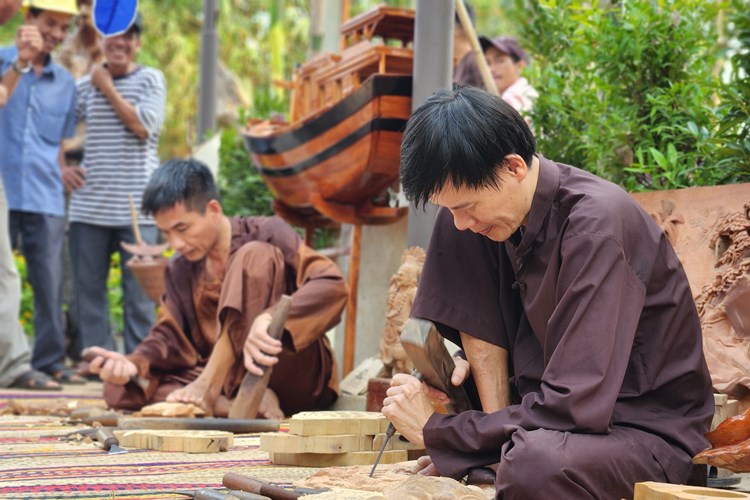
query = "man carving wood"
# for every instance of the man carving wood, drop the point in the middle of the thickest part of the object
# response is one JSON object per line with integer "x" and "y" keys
{"x": 578, "y": 294}
{"x": 214, "y": 315}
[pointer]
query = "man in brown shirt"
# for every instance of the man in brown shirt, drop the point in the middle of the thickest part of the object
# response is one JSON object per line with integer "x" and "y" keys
{"x": 556, "y": 281}
{"x": 220, "y": 293}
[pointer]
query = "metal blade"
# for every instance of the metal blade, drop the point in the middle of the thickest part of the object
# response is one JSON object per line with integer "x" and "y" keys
{"x": 380, "y": 453}
{"x": 116, "y": 450}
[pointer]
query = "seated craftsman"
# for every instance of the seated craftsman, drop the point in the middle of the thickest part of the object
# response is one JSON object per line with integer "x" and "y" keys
{"x": 574, "y": 312}
{"x": 220, "y": 292}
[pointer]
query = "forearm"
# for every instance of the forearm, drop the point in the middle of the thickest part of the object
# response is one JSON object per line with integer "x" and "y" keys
{"x": 489, "y": 365}
{"x": 10, "y": 80}
{"x": 126, "y": 111}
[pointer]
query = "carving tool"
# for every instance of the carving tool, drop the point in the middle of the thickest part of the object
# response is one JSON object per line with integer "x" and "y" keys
{"x": 211, "y": 494}
{"x": 250, "y": 393}
{"x": 237, "y": 426}
{"x": 391, "y": 430}
{"x": 109, "y": 442}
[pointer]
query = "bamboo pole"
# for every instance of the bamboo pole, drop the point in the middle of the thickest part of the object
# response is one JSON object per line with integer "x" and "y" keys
{"x": 484, "y": 69}
{"x": 350, "y": 332}
{"x": 134, "y": 220}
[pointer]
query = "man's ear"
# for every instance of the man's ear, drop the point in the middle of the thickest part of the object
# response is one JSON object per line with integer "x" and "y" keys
{"x": 516, "y": 166}
{"x": 213, "y": 207}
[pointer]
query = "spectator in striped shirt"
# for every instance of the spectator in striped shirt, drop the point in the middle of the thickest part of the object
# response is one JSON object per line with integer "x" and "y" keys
{"x": 123, "y": 106}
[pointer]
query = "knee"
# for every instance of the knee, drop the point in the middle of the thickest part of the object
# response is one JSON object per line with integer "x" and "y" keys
{"x": 531, "y": 462}
{"x": 258, "y": 255}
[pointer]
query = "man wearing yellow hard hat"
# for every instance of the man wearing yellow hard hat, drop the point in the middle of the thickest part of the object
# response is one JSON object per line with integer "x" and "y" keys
{"x": 38, "y": 115}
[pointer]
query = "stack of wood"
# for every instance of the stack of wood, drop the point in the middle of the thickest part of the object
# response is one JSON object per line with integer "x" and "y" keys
{"x": 333, "y": 438}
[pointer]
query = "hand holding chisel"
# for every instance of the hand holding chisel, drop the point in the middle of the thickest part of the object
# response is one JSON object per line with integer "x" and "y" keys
{"x": 390, "y": 431}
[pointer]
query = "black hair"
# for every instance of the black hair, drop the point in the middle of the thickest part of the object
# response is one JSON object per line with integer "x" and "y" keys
{"x": 187, "y": 181}
{"x": 460, "y": 137}
{"x": 35, "y": 11}
{"x": 470, "y": 11}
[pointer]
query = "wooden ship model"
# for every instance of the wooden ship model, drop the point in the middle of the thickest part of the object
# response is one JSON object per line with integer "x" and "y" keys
{"x": 338, "y": 157}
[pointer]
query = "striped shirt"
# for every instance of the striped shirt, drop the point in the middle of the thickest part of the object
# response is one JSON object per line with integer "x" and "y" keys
{"x": 117, "y": 162}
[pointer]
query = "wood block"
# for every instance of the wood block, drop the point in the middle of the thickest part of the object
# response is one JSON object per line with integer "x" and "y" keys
{"x": 311, "y": 423}
{"x": 334, "y": 459}
{"x": 281, "y": 442}
{"x": 723, "y": 409}
{"x": 176, "y": 440}
{"x": 663, "y": 491}
{"x": 397, "y": 442}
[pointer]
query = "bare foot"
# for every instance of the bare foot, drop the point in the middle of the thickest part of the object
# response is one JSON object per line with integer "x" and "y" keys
{"x": 222, "y": 406}
{"x": 270, "y": 407}
{"x": 197, "y": 393}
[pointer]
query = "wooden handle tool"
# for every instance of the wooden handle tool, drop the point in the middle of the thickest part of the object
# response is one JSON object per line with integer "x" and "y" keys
{"x": 250, "y": 393}
{"x": 235, "y": 481}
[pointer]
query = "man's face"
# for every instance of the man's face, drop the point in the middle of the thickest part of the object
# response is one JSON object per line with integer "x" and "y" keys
{"x": 188, "y": 232}
{"x": 121, "y": 50}
{"x": 492, "y": 212}
{"x": 53, "y": 26}
{"x": 504, "y": 70}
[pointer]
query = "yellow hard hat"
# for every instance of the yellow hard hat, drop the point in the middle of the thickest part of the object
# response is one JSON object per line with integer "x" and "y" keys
{"x": 64, "y": 6}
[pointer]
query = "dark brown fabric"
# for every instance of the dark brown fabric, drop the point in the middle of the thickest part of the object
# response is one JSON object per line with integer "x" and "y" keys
{"x": 598, "y": 317}
{"x": 267, "y": 259}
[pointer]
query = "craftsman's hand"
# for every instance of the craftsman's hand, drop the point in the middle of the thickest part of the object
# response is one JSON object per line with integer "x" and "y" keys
{"x": 101, "y": 78}
{"x": 111, "y": 366}
{"x": 425, "y": 467}
{"x": 408, "y": 407}
{"x": 260, "y": 349}
{"x": 459, "y": 376}
{"x": 73, "y": 178}
{"x": 28, "y": 42}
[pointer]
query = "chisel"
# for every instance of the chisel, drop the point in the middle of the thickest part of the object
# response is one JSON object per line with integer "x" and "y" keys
{"x": 391, "y": 430}
{"x": 109, "y": 442}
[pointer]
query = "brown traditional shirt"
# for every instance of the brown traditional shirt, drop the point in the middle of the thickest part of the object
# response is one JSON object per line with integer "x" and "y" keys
{"x": 597, "y": 315}
{"x": 194, "y": 307}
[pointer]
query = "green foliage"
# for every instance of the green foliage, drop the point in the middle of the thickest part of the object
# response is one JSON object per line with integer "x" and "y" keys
{"x": 733, "y": 142}
{"x": 241, "y": 187}
{"x": 625, "y": 88}
{"x": 26, "y": 315}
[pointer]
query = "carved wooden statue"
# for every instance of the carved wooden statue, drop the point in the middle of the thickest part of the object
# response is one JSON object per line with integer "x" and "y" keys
{"x": 401, "y": 293}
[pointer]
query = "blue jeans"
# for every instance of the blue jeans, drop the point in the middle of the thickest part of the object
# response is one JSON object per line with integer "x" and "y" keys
{"x": 91, "y": 248}
{"x": 40, "y": 238}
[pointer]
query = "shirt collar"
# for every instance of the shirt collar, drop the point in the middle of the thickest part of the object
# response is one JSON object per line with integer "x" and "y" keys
{"x": 547, "y": 185}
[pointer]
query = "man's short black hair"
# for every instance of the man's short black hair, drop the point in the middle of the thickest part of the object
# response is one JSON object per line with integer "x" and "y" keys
{"x": 460, "y": 137}
{"x": 470, "y": 12}
{"x": 186, "y": 181}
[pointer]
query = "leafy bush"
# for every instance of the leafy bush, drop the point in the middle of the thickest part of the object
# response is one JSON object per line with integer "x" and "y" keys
{"x": 626, "y": 88}
{"x": 733, "y": 141}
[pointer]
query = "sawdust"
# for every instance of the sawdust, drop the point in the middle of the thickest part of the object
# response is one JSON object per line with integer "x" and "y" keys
{"x": 55, "y": 407}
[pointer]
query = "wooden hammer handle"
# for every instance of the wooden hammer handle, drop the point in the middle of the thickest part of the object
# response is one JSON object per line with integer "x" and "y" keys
{"x": 250, "y": 393}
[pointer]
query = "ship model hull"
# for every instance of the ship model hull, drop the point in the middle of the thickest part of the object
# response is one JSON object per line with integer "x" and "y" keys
{"x": 337, "y": 161}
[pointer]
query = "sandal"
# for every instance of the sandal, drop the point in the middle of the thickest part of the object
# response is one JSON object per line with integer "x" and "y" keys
{"x": 36, "y": 381}
{"x": 67, "y": 376}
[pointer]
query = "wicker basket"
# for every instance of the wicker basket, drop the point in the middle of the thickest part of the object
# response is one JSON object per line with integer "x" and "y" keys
{"x": 149, "y": 271}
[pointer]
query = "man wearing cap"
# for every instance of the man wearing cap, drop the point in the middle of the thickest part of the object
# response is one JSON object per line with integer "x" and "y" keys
{"x": 123, "y": 105}
{"x": 38, "y": 115}
{"x": 506, "y": 60}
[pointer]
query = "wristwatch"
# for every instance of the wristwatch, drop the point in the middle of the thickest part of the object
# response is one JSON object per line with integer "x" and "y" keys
{"x": 19, "y": 70}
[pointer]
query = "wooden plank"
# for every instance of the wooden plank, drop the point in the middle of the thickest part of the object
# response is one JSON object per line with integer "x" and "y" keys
{"x": 282, "y": 442}
{"x": 663, "y": 491}
{"x": 397, "y": 442}
{"x": 337, "y": 459}
{"x": 176, "y": 440}
{"x": 310, "y": 423}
